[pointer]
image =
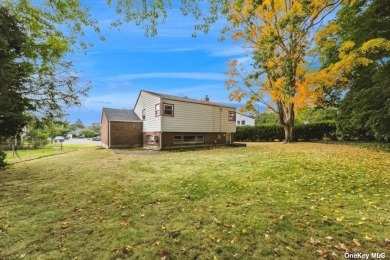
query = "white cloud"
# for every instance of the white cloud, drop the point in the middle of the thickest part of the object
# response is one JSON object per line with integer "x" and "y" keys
{"x": 245, "y": 60}
{"x": 176, "y": 50}
{"x": 173, "y": 75}
{"x": 231, "y": 51}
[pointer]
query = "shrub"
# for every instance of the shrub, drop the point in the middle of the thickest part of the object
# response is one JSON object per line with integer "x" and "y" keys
{"x": 302, "y": 132}
{"x": 2, "y": 159}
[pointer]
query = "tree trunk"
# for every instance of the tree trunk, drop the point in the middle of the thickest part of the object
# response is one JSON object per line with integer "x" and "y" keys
{"x": 288, "y": 133}
{"x": 286, "y": 117}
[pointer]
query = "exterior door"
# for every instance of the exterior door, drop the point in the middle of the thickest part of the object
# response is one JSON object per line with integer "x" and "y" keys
{"x": 228, "y": 138}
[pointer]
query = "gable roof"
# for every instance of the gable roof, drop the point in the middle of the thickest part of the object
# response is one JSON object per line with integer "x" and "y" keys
{"x": 122, "y": 115}
{"x": 185, "y": 99}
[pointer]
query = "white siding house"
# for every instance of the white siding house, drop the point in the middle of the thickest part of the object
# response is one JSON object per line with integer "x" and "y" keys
{"x": 165, "y": 121}
{"x": 243, "y": 120}
{"x": 171, "y": 120}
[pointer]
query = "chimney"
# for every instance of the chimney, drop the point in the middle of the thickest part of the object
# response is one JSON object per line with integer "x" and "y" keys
{"x": 207, "y": 98}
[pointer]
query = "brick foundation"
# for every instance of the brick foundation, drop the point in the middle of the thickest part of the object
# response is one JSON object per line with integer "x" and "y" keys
{"x": 209, "y": 138}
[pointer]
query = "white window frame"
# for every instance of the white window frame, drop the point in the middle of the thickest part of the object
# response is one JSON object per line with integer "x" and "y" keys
{"x": 157, "y": 110}
{"x": 168, "y": 105}
{"x": 232, "y": 116}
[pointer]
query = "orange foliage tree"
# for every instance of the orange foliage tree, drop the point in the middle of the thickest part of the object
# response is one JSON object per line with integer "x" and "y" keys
{"x": 282, "y": 36}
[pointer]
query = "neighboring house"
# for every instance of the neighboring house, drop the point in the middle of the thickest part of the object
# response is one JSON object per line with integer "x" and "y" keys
{"x": 166, "y": 121}
{"x": 243, "y": 120}
{"x": 75, "y": 133}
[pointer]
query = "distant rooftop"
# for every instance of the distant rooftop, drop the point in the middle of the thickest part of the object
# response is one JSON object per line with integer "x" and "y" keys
{"x": 123, "y": 115}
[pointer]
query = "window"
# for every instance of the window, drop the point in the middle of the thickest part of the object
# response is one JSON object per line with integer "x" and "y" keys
{"x": 157, "y": 109}
{"x": 238, "y": 122}
{"x": 143, "y": 114}
{"x": 177, "y": 139}
{"x": 200, "y": 139}
{"x": 243, "y": 122}
{"x": 150, "y": 139}
{"x": 191, "y": 139}
{"x": 168, "y": 109}
{"x": 232, "y": 116}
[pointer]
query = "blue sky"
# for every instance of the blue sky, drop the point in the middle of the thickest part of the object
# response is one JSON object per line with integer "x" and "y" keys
{"x": 172, "y": 62}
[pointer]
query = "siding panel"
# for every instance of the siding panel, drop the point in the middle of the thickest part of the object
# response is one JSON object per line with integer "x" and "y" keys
{"x": 148, "y": 101}
{"x": 192, "y": 117}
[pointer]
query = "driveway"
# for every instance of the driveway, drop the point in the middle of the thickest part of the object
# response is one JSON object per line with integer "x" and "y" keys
{"x": 83, "y": 141}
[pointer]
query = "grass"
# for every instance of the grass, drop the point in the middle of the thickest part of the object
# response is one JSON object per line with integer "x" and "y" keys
{"x": 23, "y": 155}
{"x": 269, "y": 200}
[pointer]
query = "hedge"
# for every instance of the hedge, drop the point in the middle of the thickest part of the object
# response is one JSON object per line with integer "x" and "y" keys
{"x": 301, "y": 132}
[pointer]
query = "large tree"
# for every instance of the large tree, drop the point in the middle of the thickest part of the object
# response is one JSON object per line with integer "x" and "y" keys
{"x": 364, "y": 112}
{"x": 285, "y": 36}
{"x": 281, "y": 34}
{"x": 52, "y": 29}
{"x": 14, "y": 74}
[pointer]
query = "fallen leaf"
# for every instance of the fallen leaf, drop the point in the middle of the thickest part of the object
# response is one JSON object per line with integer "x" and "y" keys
{"x": 289, "y": 248}
{"x": 356, "y": 242}
{"x": 329, "y": 237}
{"x": 343, "y": 246}
{"x": 367, "y": 237}
{"x": 164, "y": 254}
{"x": 314, "y": 241}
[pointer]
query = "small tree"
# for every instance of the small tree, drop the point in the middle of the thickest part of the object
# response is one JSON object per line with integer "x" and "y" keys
{"x": 78, "y": 124}
{"x": 96, "y": 127}
{"x": 267, "y": 118}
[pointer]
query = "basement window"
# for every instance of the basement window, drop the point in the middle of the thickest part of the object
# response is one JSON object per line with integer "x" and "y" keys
{"x": 188, "y": 139}
{"x": 150, "y": 139}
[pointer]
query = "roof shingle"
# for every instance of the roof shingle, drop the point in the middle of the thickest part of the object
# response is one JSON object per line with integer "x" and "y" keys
{"x": 123, "y": 115}
{"x": 185, "y": 99}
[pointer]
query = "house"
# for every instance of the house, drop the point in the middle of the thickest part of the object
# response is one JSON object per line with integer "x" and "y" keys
{"x": 161, "y": 121}
{"x": 243, "y": 120}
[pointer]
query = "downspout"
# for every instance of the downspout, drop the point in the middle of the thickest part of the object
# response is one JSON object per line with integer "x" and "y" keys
{"x": 161, "y": 133}
{"x": 214, "y": 119}
{"x": 109, "y": 134}
{"x": 220, "y": 119}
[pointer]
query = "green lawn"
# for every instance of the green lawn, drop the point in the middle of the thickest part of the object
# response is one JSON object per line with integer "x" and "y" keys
{"x": 269, "y": 200}
{"x": 23, "y": 155}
